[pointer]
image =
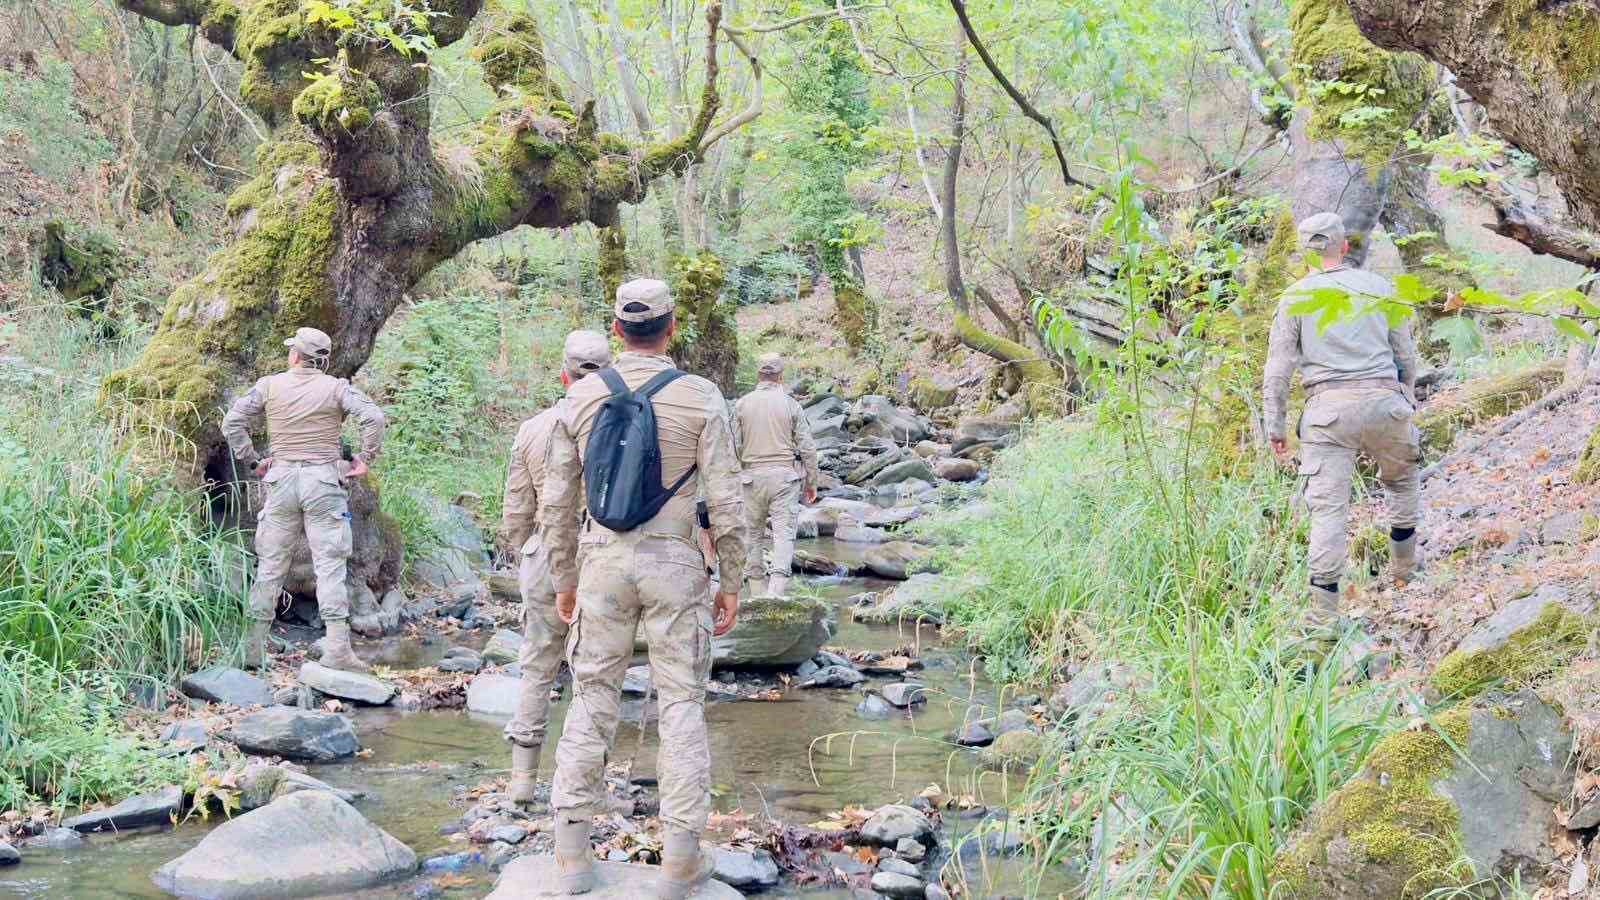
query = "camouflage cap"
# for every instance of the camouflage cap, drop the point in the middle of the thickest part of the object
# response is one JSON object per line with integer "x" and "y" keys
{"x": 770, "y": 364}
{"x": 310, "y": 342}
{"x": 1322, "y": 232}
{"x": 643, "y": 299}
{"x": 585, "y": 352}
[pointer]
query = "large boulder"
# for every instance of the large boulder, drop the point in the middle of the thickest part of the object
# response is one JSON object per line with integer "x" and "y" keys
{"x": 895, "y": 560}
{"x": 909, "y": 468}
{"x": 225, "y": 684}
{"x": 1417, "y": 808}
{"x": 773, "y": 631}
{"x": 825, "y": 406}
{"x": 308, "y": 844}
{"x": 533, "y": 876}
{"x": 300, "y": 734}
{"x": 891, "y": 824}
{"x": 877, "y": 416}
{"x": 353, "y": 686}
{"x": 829, "y": 432}
{"x": 493, "y": 693}
{"x": 984, "y": 430}
{"x": 816, "y": 521}
{"x": 459, "y": 557}
{"x": 957, "y": 469}
{"x": 920, "y": 596}
{"x": 1521, "y": 643}
{"x": 867, "y": 471}
{"x": 1097, "y": 689}
{"x": 754, "y": 869}
{"x": 504, "y": 647}
{"x": 155, "y": 808}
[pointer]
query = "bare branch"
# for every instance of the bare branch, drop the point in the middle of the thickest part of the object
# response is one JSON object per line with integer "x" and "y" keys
{"x": 767, "y": 28}
{"x": 751, "y": 112}
{"x": 218, "y": 29}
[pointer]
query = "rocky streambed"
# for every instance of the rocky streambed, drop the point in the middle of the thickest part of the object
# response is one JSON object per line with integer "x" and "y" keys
{"x": 854, "y": 755}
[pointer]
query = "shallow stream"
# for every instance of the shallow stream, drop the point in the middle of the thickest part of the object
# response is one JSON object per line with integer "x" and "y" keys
{"x": 770, "y": 758}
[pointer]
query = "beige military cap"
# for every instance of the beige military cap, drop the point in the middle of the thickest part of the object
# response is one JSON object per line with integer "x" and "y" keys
{"x": 653, "y": 295}
{"x": 1323, "y": 231}
{"x": 585, "y": 352}
{"x": 770, "y": 364}
{"x": 310, "y": 342}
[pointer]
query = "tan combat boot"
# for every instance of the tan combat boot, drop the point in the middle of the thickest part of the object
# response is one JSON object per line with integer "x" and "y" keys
{"x": 778, "y": 586}
{"x": 1403, "y": 558}
{"x": 574, "y": 858}
{"x": 256, "y": 651}
{"x": 683, "y": 867}
{"x": 524, "y": 768}
{"x": 336, "y": 652}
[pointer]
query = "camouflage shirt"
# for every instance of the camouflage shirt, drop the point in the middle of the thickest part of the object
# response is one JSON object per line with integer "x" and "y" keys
{"x": 305, "y": 409}
{"x": 773, "y": 431}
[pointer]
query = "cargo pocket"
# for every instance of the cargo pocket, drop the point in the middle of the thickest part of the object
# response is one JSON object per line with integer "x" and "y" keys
{"x": 1315, "y": 422}
{"x": 1308, "y": 470}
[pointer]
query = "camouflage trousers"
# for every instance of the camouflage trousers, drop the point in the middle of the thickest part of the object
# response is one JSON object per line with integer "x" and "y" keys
{"x": 1336, "y": 427}
{"x": 544, "y": 638}
{"x": 310, "y": 500}
{"x": 772, "y": 513}
{"x": 626, "y": 578}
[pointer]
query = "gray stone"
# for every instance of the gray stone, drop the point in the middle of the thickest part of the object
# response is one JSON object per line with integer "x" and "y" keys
{"x": 891, "y": 824}
{"x": 500, "y": 855}
{"x": 1562, "y": 528}
{"x": 261, "y": 783}
{"x": 957, "y": 469}
{"x": 806, "y": 670}
{"x": 893, "y": 884}
{"x": 287, "y": 696}
{"x": 295, "y": 734}
{"x": 895, "y": 560}
{"x": 185, "y": 735}
{"x": 56, "y": 839}
{"x": 508, "y": 833}
{"x": 1493, "y": 632}
{"x": 857, "y": 534}
{"x": 910, "y": 850}
{"x": 876, "y": 416}
{"x": 935, "y": 891}
{"x": 974, "y": 734}
{"x": 893, "y": 517}
{"x": 905, "y": 470}
{"x": 874, "y": 708}
{"x": 503, "y": 647}
{"x": 830, "y": 431}
{"x": 9, "y": 855}
{"x": 1097, "y": 689}
{"x": 898, "y": 866}
{"x": 224, "y": 684}
{"x": 1012, "y": 720}
{"x": 636, "y": 681}
{"x": 773, "y": 631}
{"x": 855, "y": 511}
{"x": 806, "y": 562}
{"x": 816, "y": 521}
{"x": 1587, "y": 815}
{"x": 535, "y": 876}
{"x": 307, "y": 844}
{"x": 825, "y": 406}
{"x": 982, "y": 429}
{"x": 1013, "y": 751}
{"x": 829, "y": 658}
{"x": 866, "y": 471}
{"x": 834, "y": 677}
{"x": 353, "y": 686}
{"x": 468, "y": 664}
{"x": 494, "y": 694}
{"x": 740, "y": 868}
{"x": 920, "y": 596}
{"x": 905, "y": 693}
{"x": 458, "y": 558}
{"x": 155, "y": 808}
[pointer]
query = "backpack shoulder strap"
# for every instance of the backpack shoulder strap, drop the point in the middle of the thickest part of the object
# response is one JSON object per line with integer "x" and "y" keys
{"x": 619, "y": 388}
{"x": 659, "y": 381}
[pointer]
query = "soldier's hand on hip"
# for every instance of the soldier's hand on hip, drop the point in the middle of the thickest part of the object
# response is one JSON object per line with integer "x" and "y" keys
{"x": 358, "y": 467}
{"x": 262, "y": 465}
{"x": 567, "y": 606}
{"x": 726, "y": 612}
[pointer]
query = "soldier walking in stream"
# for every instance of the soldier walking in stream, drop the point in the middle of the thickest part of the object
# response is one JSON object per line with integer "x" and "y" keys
{"x": 634, "y": 438}
{"x": 544, "y": 634}
{"x": 305, "y": 409}
{"x": 1360, "y": 378}
{"x": 779, "y": 458}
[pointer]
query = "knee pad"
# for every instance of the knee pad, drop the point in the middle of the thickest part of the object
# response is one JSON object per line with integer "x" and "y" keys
{"x": 1398, "y": 534}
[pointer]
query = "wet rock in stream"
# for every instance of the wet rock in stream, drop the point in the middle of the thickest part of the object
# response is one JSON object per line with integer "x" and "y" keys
{"x": 353, "y": 686}
{"x": 9, "y": 855}
{"x": 294, "y": 734}
{"x": 535, "y": 876}
{"x": 225, "y": 684}
{"x": 153, "y": 808}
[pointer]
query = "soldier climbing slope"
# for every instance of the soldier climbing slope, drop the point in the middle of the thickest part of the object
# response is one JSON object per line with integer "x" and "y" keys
{"x": 779, "y": 458}
{"x": 1359, "y": 377}
{"x": 544, "y": 634}
{"x": 305, "y": 409}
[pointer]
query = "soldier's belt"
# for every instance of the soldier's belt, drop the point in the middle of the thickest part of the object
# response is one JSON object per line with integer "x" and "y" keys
{"x": 661, "y": 526}
{"x": 1357, "y": 384}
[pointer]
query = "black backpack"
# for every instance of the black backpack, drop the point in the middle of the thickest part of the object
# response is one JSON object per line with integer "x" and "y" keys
{"x": 622, "y": 462}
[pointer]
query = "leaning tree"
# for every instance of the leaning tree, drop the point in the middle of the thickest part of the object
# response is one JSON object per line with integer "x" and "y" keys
{"x": 354, "y": 199}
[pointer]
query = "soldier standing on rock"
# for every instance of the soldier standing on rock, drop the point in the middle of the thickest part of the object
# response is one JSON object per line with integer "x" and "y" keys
{"x": 305, "y": 409}
{"x": 544, "y": 634}
{"x": 779, "y": 458}
{"x": 652, "y": 573}
{"x": 1360, "y": 378}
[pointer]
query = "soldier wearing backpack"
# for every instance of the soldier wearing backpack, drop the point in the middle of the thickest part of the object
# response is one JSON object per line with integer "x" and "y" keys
{"x": 634, "y": 438}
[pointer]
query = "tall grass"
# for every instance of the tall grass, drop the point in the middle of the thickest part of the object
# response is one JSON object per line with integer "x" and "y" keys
{"x": 1101, "y": 549}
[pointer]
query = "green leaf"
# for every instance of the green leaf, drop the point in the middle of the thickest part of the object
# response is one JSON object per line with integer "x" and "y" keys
{"x": 1572, "y": 330}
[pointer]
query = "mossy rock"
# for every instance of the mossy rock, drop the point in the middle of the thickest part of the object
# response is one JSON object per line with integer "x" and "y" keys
{"x": 1467, "y": 798}
{"x": 931, "y": 393}
{"x": 1519, "y": 646}
{"x": 1481, "y": 399}
{"x": 1015, "y": 751}
{"x": 82, "y": 265}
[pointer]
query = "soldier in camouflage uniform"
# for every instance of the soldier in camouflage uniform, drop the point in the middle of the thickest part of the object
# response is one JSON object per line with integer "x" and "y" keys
{"x": 654, "y": 574}
{"x": 1359, "y": 377}
{"x": 779, "y": 458}
{"x": 544, "y": 635}
{"x": 305, "y": 409}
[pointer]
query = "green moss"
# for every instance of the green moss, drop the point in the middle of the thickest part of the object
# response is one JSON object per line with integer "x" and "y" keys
{"x": 1560, "y": 38}
{"x": 854, "y": 312}
{"x": 1531, "y": 655}
{"x": 1390, "y": 815}
{"x": 1588, "y": 468}
{"x": 707, "y": 342}
{"x": 613, "y": 258}
{"x": 267, "y": 38}
{"x": 513, "y": 53}
{"x": 1485, "y": 398}
{"x": 342, "y": 101}
{"x": 1329, "y": 48}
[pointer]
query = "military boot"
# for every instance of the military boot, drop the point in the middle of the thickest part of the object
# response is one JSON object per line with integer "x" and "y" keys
{"x": 257, "y": 648}
{"x": 1403, "y": 558}
{"x": 1319, "y": 625}
{"x": 574, "y": 858}
{"x": 336, "y": 652}
{"x": 524, "y": 769}
{"x": 778, "y": 586}
{"x": 683, "y": 867}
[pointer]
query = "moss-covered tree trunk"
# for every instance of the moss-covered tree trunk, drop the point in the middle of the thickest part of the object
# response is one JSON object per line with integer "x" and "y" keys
{"x": 352, "y": 203}
{"x": 707, "y": 343}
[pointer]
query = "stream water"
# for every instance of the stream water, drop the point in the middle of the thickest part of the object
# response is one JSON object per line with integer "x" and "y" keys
{"x": 769, "y": 758}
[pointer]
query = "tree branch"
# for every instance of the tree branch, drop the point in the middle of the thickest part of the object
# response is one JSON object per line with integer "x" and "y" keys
{"x": 1016, "y": 95}
{"x": 751, "y": 112}
{"x": 215, "y": 18}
